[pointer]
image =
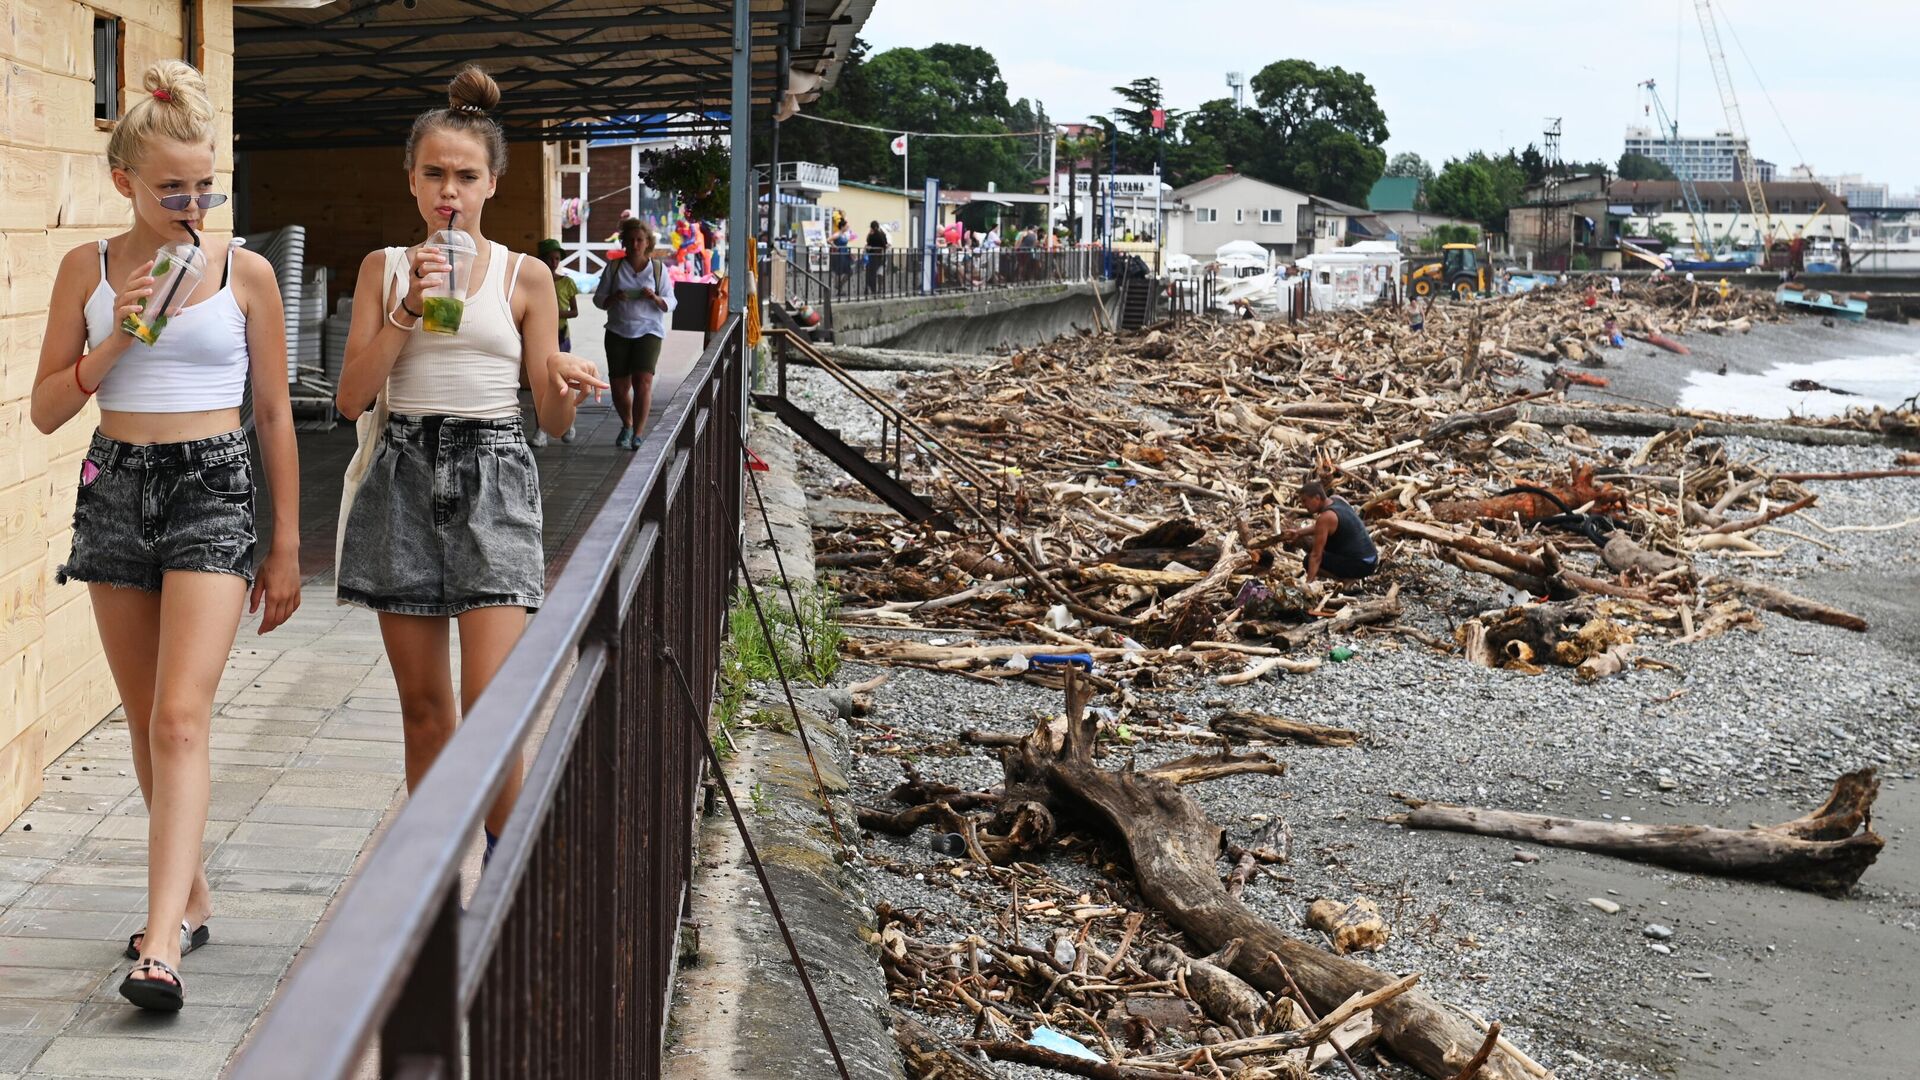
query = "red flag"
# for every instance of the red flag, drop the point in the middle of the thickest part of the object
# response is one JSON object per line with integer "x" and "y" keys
{"x": 1159, "y": 119}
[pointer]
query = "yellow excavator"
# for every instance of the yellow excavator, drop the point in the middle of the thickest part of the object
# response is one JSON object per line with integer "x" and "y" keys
{"x": 1461, "y": 270}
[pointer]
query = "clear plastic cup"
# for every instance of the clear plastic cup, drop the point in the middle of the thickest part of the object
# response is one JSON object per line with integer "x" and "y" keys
{"x": 442, "y": 306}
{"x": 177, "y": 270}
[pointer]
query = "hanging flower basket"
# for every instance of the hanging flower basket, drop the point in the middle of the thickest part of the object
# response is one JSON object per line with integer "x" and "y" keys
{"x": 698, "y": 173}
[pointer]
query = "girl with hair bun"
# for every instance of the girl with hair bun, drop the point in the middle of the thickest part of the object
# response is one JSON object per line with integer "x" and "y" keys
{"x": 440, "y": 518}
{"x": 163, "y": 520}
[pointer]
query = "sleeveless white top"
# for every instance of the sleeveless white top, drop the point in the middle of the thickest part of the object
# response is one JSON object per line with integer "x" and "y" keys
{"x": 199, "y": 362}
{"x": 474, "y": 373}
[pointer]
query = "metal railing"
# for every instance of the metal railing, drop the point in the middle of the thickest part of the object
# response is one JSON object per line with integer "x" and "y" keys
{"x": 564, "y": 965}
{"x": 860, "y": 274}
{"x": 983, "y": 496}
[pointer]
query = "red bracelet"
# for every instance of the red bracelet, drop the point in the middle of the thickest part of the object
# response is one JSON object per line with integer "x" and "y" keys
{"x": 76, "y": 378}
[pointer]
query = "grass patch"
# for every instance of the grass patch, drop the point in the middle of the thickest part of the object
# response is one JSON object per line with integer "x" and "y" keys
{"x": 747, "y": 656}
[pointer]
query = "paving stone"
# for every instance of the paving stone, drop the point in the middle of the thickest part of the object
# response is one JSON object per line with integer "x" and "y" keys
{"x": 97, "y": 874}
{"x": 47, "y": 822}
{"x": 340, "y": 816}
{"x": 207, "y": 988}
{"x": 37, "y": 845}
{"x": 198, "y": 1022}
{"x": 69, "y": 953}
{"x": 231, "y": 856}
{"x": 223, "y": 959}
{"x": 20, "y": 1018}
{"x": 85, "y": 925}
{"x": 85, "y": 897}
{"x": 277, "y": 759}
{"x": 258, "y": 904}
{"x": 276, "y": 881}
{"x": 260, "y": 741}
{"x": 53, "y": 984}
{"x": 19, "y": 1051}
{"x": 331, "y": 746}
{"x": 130, "y": 827}
{"x": 20, "y": 868}
{"x": 233, "y": 929}
{"x": 316, "y": 837}
{"x": 355, "y": 797}
{"x": 272, "y": 715}
{"x": 386, "y": 731}
{"x": 343, "y": 764}
{"x": 109, "y": 852}
{"x": 110, "y": 1056}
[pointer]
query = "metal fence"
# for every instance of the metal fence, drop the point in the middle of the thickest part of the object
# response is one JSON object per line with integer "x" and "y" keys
{"x": 864, "y": 275}
{"x": 564, "y": 965}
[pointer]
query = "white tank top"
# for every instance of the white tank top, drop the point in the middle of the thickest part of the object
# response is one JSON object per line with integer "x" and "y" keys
{"x": 199, "y": 362}
{"x": 474, "y": 373}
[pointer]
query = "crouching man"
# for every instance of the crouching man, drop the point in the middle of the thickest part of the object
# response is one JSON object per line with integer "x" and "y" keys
{"x": 1335, "y": 541}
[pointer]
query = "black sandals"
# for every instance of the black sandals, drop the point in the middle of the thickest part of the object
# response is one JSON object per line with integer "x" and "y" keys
{"x": 152, "y": 993}
{"x": 191, "y": 938}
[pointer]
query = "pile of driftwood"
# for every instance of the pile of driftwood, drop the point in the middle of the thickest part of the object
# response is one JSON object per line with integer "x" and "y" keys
{"x": 1129, "y": 986}
{"x": 1126, "y": 496}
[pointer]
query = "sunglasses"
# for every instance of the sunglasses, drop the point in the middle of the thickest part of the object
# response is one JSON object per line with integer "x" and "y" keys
{"x": 177, "y": 203}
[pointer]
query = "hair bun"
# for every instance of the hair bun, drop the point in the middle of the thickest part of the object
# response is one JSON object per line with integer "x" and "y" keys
{"x": 175, "y": 82}
{"x": 472, "y": 91}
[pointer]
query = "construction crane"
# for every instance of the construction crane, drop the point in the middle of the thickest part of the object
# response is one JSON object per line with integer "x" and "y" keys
{"x": 1696, "y": 211}
{"x": 1743, "y": 164}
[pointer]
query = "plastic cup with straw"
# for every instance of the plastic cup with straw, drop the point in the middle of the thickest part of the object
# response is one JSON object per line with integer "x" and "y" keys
{"x": 442, "y": 306}
{"x": 177, "y": 270}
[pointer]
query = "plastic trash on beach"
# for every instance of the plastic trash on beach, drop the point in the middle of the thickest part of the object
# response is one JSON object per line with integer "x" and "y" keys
{"x": 1048, "y": 1039}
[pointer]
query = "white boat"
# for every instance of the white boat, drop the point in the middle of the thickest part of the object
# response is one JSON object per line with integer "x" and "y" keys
{"x": 1244, "y": 272}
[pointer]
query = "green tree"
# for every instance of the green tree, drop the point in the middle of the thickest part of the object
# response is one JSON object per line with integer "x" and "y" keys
{"x": 1641, "y": 167}
{"x": 1467, "y": 189}
{"x": 1410, "y": 164}
{"x": 1324, "y": 130}
{"x": 1216, "y": 136}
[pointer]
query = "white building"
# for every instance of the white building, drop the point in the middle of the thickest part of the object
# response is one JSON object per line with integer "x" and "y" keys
{"x": 1859, "y": 192}
{"x": 1698, "y": 157}
{"x": 1797, "y": 208}
{"x": 1208, "y": 214}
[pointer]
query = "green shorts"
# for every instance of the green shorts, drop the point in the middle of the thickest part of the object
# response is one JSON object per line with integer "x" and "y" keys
{"x": 628, "y": 357}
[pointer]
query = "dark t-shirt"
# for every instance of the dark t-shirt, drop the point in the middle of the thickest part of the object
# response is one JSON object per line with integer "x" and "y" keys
{"x": 877, "y": 240}
{"x": 1349, "y": 539}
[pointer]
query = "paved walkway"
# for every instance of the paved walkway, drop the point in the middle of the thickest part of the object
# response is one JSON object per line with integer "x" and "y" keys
{"x": 306, "y": 767}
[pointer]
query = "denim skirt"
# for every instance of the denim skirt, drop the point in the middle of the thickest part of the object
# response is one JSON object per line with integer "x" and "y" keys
{"x": 144, "y": 509}
{"x": 446, "y": 521}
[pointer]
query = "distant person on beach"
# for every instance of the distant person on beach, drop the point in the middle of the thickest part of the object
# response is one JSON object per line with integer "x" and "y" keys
{"x": 1335, "y": 542}
{"x": 876, "y": 253}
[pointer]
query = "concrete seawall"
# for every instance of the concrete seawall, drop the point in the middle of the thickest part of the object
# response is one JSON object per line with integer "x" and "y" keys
{"x": 974, "y": 322}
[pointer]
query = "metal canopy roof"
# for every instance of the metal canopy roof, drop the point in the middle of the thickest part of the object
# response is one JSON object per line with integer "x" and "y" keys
{"x": 356, "y": 72}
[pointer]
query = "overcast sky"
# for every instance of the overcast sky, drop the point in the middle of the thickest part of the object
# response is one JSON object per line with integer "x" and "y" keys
{"x": 1457, "y": 77}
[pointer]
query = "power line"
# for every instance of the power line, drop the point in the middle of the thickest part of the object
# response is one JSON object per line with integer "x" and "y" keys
{"x": 924, "y": 134}
{"x": 1781, "y": 120}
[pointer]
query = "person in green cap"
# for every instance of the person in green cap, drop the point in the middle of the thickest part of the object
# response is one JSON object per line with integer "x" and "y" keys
{"x": 568, "y": 291}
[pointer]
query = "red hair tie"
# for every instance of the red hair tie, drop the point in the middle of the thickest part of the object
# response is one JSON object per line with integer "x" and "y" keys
{"x": 163, "y": 95}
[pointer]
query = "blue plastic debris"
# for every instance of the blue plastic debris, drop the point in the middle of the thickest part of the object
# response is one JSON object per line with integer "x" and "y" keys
{"x": 1048, "y": 1039}
{"x": 1078, "y": 659}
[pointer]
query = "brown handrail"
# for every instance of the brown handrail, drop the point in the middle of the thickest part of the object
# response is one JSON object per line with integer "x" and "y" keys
{"x": 929, "y": 443}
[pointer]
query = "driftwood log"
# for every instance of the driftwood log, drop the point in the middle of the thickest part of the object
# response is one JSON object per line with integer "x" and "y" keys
{"x": 1247, "y": 724}
{"x": 1175, "y": 852}
{"x": 1791, "y": 605}
{"x": 1823, "y": 851}
{"x": 1350, "y": 925}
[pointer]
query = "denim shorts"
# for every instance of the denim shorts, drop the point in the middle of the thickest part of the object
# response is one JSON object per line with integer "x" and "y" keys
{"x": 447, "y": 520}
{"x": 143, "y": 510}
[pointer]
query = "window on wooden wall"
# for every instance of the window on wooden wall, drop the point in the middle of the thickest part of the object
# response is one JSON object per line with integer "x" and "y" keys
{"x": 108, "y": 79}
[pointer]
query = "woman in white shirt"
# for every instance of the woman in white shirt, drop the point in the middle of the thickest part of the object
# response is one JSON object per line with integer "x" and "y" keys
{"x": 442, "y": 519}
{"x": 637, "y": 295}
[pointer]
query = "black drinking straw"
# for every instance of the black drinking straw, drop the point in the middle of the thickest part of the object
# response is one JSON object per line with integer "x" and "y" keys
{"x": 178, "y": 278}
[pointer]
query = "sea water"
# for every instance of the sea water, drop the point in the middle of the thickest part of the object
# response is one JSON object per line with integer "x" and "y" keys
{"x": 1865, "y": 381}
